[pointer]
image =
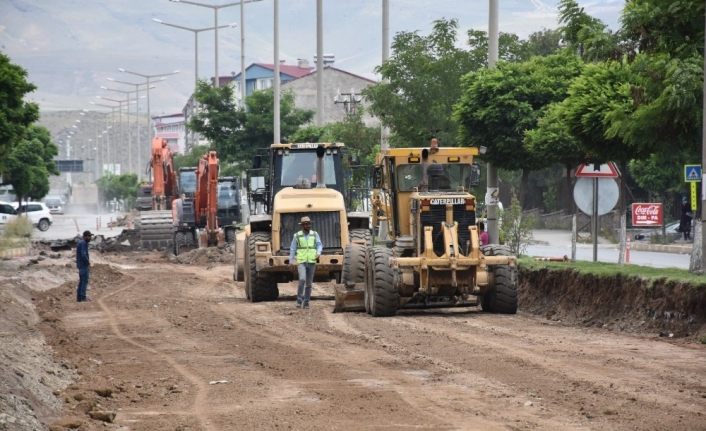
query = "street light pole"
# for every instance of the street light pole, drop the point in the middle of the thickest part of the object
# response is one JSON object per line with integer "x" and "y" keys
{"x": 105, "y": 153}
{"x": 384, "y": 130}
{"x": 216, "y": 8}
{"x": 137, "y": 115}
{"x": 118, "y": 133}
{"x": 492, "y": 193}
{"x": 149, "y": 113}
{"x": 319, "y": 64}
{"x": 276, "y": 137}
{"x": 196, "y": 32}
{"x": 703, "y": 165}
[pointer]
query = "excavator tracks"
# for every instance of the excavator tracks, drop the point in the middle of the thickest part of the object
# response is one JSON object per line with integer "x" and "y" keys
{"x": 156, "y": 230}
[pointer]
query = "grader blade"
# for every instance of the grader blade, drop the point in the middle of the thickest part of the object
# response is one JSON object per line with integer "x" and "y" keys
{"x": 348, "y": 299}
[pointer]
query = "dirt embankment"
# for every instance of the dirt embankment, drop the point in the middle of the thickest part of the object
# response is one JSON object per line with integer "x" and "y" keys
{"x": 617, "y": 302}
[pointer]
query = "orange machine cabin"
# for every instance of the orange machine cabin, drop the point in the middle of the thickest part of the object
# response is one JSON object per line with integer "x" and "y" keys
{"x": 164, "y": 182}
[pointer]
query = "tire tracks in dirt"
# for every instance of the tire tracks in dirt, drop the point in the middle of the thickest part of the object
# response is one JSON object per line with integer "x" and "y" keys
{"x": 588, "y": 384}
{"x": 199, "y": 404}
{"x": 380, "y": 364}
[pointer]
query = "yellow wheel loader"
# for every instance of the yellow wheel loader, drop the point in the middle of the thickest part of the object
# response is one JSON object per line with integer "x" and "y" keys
{"x": 301, "y": 179}
{"x": 428, "y": 252}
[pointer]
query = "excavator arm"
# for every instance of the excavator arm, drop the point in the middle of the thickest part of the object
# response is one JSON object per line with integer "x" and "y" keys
{"x": 206, "y": 198}
{"x": 163, "y": 175}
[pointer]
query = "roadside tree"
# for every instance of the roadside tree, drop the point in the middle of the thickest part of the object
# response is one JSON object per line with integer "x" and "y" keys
{"x": 497, "y": 106}
{"x": 15, "y": 113}
{"x": 29, "y": 164}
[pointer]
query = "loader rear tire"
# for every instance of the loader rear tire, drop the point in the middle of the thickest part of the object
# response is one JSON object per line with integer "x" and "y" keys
{"x": 361, "y": 235}
{"x": 353, "y": 265}
{"x": 501, "y": 296}
{"x": 382, "y": 298}
{"x": 259, "y": 286}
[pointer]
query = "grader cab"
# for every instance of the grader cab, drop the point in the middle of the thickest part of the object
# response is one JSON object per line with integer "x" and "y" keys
{"x": 428, "y": 253}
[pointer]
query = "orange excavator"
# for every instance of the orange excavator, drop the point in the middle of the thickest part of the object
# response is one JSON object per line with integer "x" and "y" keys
{"x": 206, "y": 207}
{"x": 155, "y": 226}
{"x": 164, "y": 181}
{"x": 202, "y": 230}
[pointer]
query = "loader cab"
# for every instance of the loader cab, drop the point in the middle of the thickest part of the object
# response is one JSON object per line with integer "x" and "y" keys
{"x": 294, "y": 165}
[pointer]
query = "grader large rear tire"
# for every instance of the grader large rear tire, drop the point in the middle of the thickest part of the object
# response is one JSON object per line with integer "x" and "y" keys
{"x": 382, "y": 299}
{"x": 361, "y": 235}
{"x": 353, "y": 265}
{"x": 259, "y": 286}
{"x": 501, "y": 296}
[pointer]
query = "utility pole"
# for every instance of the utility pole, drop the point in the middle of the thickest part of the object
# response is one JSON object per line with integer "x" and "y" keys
{"x": 384, "y": 131}
{"x": 703, "y": 165}
{"x": 492, "y": 194}
{"x": 319, "y": 64}
{"x": 276, "y": 137}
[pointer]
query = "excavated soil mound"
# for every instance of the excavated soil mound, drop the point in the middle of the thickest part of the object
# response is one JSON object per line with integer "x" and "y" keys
{"x": 616, "y": 302}
{"x": 205, "y": 256}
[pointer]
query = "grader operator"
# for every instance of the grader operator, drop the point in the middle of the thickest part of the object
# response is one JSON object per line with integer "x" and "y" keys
{"x": 430, "y": 254}
{"x": 303, "y": 179}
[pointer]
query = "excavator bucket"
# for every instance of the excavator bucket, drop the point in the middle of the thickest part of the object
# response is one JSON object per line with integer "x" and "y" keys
{"x": 349, "y": 298}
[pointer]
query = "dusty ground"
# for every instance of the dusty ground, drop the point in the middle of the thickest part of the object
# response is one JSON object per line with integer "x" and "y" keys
{"x": 165, "y": 345}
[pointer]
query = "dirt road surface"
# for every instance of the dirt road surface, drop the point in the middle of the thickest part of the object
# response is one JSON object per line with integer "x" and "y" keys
{"x": 168, "y": 346}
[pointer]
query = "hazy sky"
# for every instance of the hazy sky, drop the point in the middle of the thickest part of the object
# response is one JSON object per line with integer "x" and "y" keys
{"x": 70, "y": 47}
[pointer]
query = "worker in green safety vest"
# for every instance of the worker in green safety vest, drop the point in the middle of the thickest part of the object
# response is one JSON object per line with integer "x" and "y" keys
{"x": 304, "y": 251}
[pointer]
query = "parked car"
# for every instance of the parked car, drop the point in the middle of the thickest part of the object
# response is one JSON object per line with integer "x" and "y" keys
{"x": 7, "y": 213}
{"x": 37, "y": 212}
{"x": 55, "y": 205}
{"x": 671, "y": 229}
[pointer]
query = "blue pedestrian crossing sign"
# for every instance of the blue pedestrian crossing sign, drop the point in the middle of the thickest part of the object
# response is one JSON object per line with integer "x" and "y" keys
{"x": 692, "y": 173}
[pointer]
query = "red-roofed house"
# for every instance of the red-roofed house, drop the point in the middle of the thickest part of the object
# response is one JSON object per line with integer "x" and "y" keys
{"x": 260, "y": 76}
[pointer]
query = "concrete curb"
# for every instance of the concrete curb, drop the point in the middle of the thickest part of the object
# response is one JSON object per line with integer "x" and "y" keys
{"x": 9, "y": 253}
{"x": 664, "y": 248}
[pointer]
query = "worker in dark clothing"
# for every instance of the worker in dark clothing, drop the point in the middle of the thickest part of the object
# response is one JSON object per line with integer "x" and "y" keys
{"x": 83, "y": 264}
{"x": 685, "y": 219}
{"x": 304, "y": 251}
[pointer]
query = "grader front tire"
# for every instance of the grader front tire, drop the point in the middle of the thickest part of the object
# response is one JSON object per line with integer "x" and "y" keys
{"x": 384, "y": 300}
{"x": 501, "y": 296}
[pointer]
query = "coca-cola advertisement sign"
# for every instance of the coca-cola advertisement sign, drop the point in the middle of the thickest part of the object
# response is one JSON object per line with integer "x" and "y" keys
{"x": 647, "y": 214}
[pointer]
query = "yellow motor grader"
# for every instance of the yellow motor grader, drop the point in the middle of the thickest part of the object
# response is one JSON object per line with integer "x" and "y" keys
{"x": 428, "y": 252}
{"x": 301, "y": 179}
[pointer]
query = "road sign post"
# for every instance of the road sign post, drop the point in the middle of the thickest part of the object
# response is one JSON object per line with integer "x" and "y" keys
{"x": 597, "y": 171}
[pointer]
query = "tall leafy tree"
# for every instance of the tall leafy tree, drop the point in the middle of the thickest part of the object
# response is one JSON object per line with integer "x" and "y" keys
{"x": 15, "y": 113}
{"x": 498, "y": 106}
{"x": 420, "y": 85}
{"x": 257, "y": 133}
{"x": 218, "y": 118}
{"x": 588, "y": 36}
{"x": 121, "y": 187}
{"x": 238, "y": 134}
{"x": 30, "y": 163}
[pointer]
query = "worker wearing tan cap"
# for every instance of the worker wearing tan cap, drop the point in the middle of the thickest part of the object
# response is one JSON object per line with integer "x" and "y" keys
{"x": 304, "y": 251}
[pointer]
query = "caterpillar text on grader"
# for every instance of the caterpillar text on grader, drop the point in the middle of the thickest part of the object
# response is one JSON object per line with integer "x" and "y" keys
{"x": 302, "y": 179}
{"x": 425, "y": 216}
